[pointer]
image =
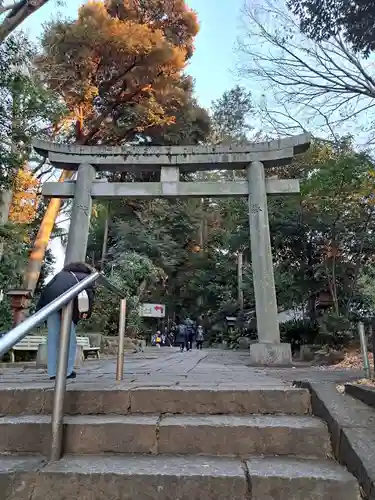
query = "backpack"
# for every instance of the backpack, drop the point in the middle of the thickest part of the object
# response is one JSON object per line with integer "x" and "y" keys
{"x": 189, "y": 327}
{"x": 200, "y": 334}
{"x": 82, "y": 299}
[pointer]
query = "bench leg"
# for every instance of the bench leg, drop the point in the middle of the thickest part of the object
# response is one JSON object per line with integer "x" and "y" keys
{"x": 97, "y": 355}
{"x": 12, "y": 357}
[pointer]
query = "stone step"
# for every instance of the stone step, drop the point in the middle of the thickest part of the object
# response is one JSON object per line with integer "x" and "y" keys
{"x": 174, "y": 477}
{"x": 217, "y": 435}
{"x": 176, "y": 400}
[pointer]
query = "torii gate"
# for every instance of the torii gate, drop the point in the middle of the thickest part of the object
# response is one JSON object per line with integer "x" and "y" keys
{"x": 170, "y": 161}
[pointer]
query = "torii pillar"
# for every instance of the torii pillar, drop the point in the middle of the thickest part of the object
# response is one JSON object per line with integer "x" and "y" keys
{"x": 80, "y": 216}
{"x": 170, "y": 162}
{"x": 268, "y": 350}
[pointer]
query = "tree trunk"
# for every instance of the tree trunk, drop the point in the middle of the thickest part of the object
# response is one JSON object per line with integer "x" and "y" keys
{"x": 36, "y": 257}
{"x": 38, "y": 252}
{"x": 5, "y": 202}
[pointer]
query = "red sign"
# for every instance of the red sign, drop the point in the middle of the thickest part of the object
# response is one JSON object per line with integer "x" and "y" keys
{"x": 152, "y": 310}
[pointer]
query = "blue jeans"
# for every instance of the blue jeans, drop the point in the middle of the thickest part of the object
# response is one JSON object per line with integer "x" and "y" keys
{"x": 53, "y": 343}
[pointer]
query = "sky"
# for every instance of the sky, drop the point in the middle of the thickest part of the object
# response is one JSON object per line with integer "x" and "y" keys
{"x": 212, "y": 65}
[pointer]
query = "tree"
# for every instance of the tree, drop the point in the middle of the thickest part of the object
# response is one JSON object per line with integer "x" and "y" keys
{"x": 230, "y": 115}
{"x": 119, "y": 66}
{"x": 27, "y": 110}
{"x": 322, "y": 20}
{"x": 119, "y": 69}
{"x": 318, "y": 86}
{"x": 15, "y": 13}
{"x": 322, "y": 240}
{"x": 25, "y": 200}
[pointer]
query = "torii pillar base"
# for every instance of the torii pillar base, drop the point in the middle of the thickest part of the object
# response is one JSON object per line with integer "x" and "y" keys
{"x": 278, "y": 354}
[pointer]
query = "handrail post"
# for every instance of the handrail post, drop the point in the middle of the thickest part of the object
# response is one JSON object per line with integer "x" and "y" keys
{"x": 121, "y": 341}
{"x": 60, "y": 385}
{"x": 363, "y": 340}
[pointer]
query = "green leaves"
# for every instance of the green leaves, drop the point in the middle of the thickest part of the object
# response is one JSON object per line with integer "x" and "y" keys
{"x": 27, "y": 109}
{"x": 322, "y": 239}
{"x": 230, "y": 116}
{"x": 322, "y": 20}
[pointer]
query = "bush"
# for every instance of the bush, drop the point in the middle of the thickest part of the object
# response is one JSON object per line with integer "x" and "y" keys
{"x": 298, "y": 332}
{"x": 335, "y": 330}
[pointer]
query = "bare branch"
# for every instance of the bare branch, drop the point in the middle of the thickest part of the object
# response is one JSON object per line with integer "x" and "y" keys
{"x": 18, "y": 13}
{"x": 308, "y": 85}
{"x": 9, "y": 6}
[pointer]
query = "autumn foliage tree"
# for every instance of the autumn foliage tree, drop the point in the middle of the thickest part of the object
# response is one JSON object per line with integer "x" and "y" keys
{"x": 119, "y": 69}
{"x": 119, "y": 66}
{"x": 25, "y": 200}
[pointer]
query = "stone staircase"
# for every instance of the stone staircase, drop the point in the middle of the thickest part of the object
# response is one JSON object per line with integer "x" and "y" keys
{"x": 169, "y": 444}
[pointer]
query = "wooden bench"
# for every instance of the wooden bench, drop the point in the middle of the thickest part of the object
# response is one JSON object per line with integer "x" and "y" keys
{"x": 32, "y": 342}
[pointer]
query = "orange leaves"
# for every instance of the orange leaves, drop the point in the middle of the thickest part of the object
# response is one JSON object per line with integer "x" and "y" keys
{"x": 122, "y": 62}
{"x": 25, "y": 197}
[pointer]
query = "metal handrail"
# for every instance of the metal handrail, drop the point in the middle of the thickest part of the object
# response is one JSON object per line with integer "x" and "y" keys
{"x": 11, "y": 338}
{"x": 65, "y": 302}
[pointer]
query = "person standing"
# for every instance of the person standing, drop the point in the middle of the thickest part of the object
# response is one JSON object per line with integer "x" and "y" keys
{"x": 168, "y": 337}
{"x": 158, "y": 339}
{"x": 199, "y": 337}
{"x": 181, "y": 337}
{"x": 190, "y": 330}
{"x": 63, "y": 281}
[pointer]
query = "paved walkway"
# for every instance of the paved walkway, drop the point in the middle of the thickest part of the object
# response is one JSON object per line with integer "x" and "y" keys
{"x": 168, "y": 367}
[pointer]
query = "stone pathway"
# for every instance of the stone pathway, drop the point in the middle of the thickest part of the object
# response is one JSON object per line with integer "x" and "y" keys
{"x": 168, "y": 367}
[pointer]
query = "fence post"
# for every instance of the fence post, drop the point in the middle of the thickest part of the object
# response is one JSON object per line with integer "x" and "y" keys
{"x": 121, "y": 341}
{"x": 363, "y": 340}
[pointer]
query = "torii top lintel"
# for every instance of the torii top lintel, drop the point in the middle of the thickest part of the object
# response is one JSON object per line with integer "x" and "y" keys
{"x": 187, "y": 158}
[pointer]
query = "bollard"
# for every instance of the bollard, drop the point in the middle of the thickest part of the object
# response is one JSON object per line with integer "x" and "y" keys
{"x": 121, "y": 341}
{"x": 363, "y": 340}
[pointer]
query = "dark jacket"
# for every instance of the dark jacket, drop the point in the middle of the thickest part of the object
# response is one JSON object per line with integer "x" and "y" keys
{"x": 200, "y": 335}
{"x": 181, "y": 336}
{"x": 62, "y": 282}
{"x": 190, "y": 328}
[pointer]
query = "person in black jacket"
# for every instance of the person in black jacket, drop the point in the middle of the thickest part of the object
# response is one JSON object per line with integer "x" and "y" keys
{"x": 181, "y": 337}
{"x": 65, "y": 279}
{"x": 190, "y": 332}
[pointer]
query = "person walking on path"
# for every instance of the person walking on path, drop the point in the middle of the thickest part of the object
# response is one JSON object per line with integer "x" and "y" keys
{"x": 181, "y": 337}
{"x": 158, "y": 339}
{"x": 199, "y": 337}
{"x": 190, "y": 331}
{"x": 63, "y": 281}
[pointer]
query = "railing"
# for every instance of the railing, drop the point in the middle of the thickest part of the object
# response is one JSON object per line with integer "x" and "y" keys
{"x": 65, "y": 301}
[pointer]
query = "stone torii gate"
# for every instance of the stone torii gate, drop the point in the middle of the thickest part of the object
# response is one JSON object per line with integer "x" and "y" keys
{"x": 170, "y": 162}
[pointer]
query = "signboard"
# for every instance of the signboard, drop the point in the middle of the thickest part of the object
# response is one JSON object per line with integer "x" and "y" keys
{"x": 152, "y": 310}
